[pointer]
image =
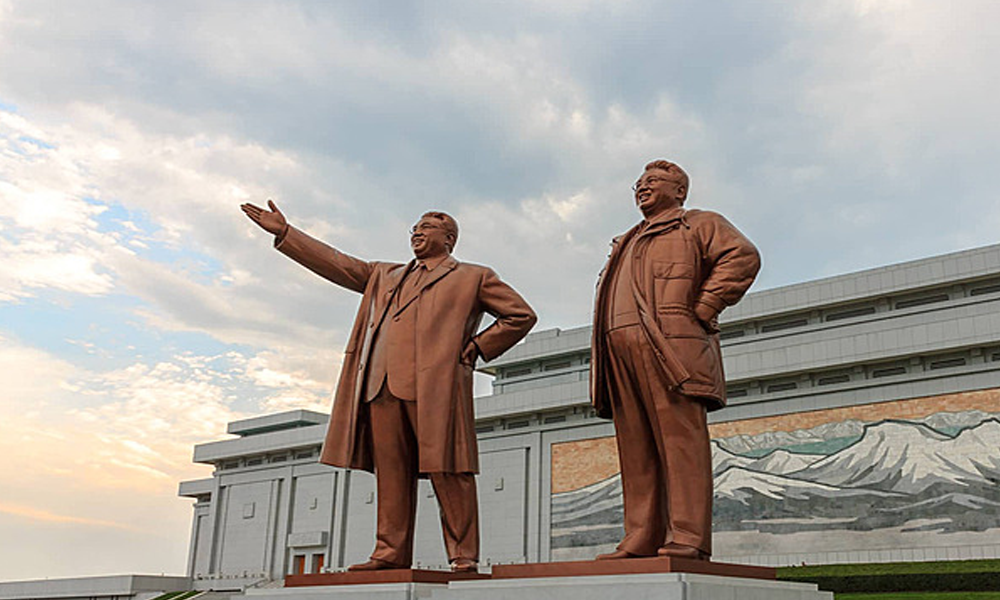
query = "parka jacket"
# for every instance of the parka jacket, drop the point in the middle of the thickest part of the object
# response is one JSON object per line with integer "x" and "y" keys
{"x": 682, "y": 259}
{"x": 445, "y": 312}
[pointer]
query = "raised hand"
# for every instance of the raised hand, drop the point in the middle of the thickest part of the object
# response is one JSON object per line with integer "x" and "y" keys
{"x": 271, "y": 221}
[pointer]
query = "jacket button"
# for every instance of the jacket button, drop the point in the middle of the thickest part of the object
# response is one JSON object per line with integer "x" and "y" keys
{"x": 371, "y": 325}
{"x": 396, "y": 319}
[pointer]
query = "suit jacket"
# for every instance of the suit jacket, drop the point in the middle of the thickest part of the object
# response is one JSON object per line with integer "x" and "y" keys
{"x": 684, "y": 258}
{"x": 445, "y": 313}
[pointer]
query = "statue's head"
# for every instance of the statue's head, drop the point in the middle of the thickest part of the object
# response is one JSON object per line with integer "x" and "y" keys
{"x": 435, "y": 234}
{"x": 662, "y": 186}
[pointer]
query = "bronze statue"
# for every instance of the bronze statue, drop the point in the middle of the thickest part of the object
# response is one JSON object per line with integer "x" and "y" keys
{"x": 656, "y": 366}
{"x": 403, "y": 407}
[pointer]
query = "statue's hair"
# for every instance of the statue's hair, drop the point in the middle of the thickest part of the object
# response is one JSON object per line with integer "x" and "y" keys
{"x": 682, "y": 176}
{"x": 447, "y": 221}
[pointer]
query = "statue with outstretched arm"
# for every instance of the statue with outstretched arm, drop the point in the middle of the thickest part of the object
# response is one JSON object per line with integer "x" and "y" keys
{"x": 403, "y": 406}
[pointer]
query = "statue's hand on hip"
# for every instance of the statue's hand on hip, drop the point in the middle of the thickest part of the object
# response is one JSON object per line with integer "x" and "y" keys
{"x": 470, "y": 354}
{"x": 707, "y": 316}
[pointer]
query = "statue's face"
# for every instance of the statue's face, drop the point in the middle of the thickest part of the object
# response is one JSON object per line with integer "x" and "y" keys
{"x": 428, "y": 238}
{"x": 658, "y": 190}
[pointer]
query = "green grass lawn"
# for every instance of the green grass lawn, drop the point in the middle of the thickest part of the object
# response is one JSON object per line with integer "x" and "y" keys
{"x": 901, "y": 568}
{"x": 938, "y": 580}
{"x": 923, "y": 596}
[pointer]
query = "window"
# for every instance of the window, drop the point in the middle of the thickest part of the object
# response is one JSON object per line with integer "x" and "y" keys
{"x": 553, "y": 366}
{"x": 850, "y": 313}
{"x": 832, "y": 379}
{"x": 768, "y": 327}
{"x": 985, "y": 289}
{"x": 737, "y": 392}
{"x": 782, "y": 387}
{"x": 888, "y": 371}
{"x": 518, "y": 424}
{"x": 519, "y": 372}
{"x": 947, "y": 363}
{"x": 911, "y": 302}
{"x": 555, "y": 419}
{"x": 317, "y": 560}
{"x": 728, "y": 334}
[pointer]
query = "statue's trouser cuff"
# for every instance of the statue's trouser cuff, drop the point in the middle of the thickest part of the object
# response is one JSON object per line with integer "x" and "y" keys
{"x": 664, "y": 452}
{"x": 394, "y": 447}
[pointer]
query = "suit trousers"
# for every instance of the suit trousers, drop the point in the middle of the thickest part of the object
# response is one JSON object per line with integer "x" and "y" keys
{"x": 394, "y": 446}
{"x": 663, "y": 449}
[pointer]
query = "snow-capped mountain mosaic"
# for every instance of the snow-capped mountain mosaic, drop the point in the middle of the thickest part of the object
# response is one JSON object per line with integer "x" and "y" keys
{"x": 939, "y": 474}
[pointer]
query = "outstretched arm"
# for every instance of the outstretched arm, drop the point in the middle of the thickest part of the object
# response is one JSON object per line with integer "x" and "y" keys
{"x": 326, "y": 261}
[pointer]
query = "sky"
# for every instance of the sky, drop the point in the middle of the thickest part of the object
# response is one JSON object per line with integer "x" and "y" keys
{"x": 140, "y": 311}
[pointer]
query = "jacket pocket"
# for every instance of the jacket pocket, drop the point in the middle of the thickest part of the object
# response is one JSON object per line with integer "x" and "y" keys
{"x": 680, "y": 322}
{"x": 698, "y": 358}
{"x": 672, "y": 284}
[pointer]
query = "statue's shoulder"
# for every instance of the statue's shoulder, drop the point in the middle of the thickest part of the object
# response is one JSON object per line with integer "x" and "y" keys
{"x": 697, "y": 214}
{"x": 695, "y": 217}
{"x": 471, "y": 267}
{"x": 618, "y": 239}
{"x": 385, "y": 268}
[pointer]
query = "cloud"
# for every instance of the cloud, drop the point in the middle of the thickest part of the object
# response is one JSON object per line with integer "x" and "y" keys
{"x": 195, "y": 260}
{"x": 115, "y": 443}
{"x": 34, "y": 514}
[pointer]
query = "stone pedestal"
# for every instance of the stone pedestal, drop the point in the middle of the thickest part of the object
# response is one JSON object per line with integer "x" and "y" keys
{"x": 391, "y": 584}
{"x": 661, "y": 578}
{"x": 635, "y": 579}
{"x": 648, "y": 586}
{"x": 379, "y": 577}
{"x": 632, "y": 566}
{"x": 364, "y": 591}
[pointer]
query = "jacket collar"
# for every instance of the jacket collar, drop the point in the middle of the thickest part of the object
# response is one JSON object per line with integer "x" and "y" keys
{"x": 669, "y": 216}
{"x": 442, "y": 269}
{"x": 429, "y": 264}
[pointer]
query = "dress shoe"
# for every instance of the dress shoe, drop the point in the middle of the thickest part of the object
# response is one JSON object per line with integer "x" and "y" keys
{"x": 464, "y": 565}
{"x": 616, "y": 555}
{"x": 375, "y": 564}
{"x": 682, "y": 551}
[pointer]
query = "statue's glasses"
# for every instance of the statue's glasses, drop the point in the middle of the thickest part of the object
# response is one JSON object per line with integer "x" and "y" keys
{"x": 422, "y": 227}
{"x": 650, "y": 181}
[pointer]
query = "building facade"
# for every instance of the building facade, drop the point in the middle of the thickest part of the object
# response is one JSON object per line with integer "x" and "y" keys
{"x": 863, "y": 426}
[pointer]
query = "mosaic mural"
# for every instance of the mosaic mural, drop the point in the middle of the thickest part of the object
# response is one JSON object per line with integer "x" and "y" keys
{"x": 912, "y": 473}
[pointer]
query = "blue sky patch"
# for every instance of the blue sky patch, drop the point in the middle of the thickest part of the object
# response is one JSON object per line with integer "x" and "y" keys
{"x": 101, "y": 333}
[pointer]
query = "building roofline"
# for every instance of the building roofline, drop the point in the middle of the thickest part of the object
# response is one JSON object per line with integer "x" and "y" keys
{"x": 291, "y": 419}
